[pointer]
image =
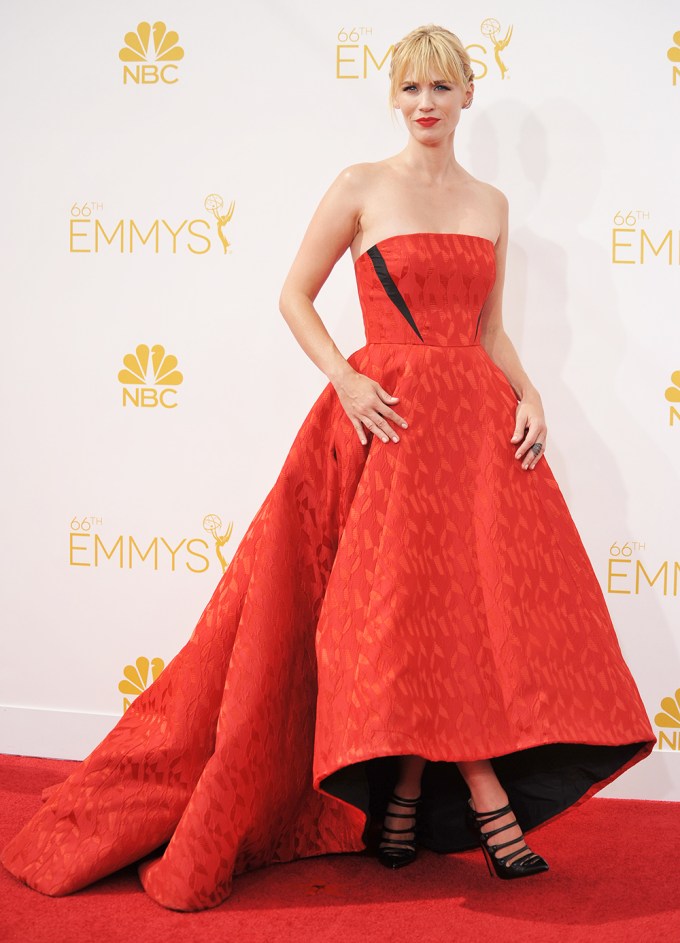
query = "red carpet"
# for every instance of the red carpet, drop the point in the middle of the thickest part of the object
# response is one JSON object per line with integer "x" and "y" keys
{"x": 612, "y": 880}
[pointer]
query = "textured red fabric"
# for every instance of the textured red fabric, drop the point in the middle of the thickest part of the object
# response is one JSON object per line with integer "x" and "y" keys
{"x": 426, "y": 596}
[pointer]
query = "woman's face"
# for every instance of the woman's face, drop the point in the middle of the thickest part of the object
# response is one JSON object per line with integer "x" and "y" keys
{"x": 431, "y": 109}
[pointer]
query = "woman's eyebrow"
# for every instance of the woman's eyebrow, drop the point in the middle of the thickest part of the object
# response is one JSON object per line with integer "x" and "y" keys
{"x": 434, "y": 82}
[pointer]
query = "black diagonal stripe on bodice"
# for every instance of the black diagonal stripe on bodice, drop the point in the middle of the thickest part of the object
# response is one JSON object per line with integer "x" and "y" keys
{"x": 391, "y": 289}
{"x": 477, "y": 326}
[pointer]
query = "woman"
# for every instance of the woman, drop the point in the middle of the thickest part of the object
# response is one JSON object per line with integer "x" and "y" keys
{"x": 411, "y": 620}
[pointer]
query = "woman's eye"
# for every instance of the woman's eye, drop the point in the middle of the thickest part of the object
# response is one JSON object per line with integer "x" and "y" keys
{"x": 408, "y": 88}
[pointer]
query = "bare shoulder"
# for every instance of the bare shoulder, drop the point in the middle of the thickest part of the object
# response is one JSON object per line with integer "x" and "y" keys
{"x": 493, "y": 194}
{"x": 358, "y": 178}
{"x": 343, "y": 201}
{"x": 355, "y": 188}
{"x": 493, "y": 203}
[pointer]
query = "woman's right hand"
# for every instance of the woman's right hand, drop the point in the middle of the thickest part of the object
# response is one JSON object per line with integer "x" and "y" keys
{"x": 365, "y": 401}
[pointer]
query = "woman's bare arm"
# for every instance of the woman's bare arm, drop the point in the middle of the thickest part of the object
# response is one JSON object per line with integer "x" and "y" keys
{"x": 329, "y": 234}
{"x": 529, "y": 416}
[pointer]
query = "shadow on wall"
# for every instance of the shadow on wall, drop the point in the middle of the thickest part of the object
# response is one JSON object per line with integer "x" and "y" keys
{"x": 561, "y": 310}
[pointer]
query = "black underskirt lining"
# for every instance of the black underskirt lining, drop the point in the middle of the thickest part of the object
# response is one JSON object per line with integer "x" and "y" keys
{"x": 541, "y": 782}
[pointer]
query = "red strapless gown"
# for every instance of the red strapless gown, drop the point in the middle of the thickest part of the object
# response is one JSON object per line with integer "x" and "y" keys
{"x": 426, "y": 596}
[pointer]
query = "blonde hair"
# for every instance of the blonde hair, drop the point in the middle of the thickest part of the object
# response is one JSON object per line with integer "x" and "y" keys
{"x": 429, "y": 49}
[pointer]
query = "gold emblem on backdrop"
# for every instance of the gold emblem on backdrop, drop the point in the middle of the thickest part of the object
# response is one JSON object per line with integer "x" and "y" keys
{"x": 353, "y": 59}
{"x": 671, "y": 715}
{"x": 356, "y": 56}
{"x": 669, "y": 719}
{"x": 491, "y": 28}
{"x": 673, "y": 55}
{"x": 91, "y": 546}
{"x": 215, "y": 204}
{"x": 153, "y": 50}
{"x": 672, "y": 395}
{"x": 89, "y": 232}
{"x": 673, "y": 392}
{"x": 629, "y": 575}
{"x": 144, "y": 373}
{"x": 137, "y": 679}
{"x": 212, "y": 523}
{"x": 635, "y": 243}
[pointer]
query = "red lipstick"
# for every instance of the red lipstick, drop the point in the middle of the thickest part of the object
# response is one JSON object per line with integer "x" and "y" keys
{"x": 427, "y": 122}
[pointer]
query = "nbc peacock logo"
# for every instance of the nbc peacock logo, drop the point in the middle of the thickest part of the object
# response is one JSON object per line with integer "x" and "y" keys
{"x": 673, "y": 56}
{"x": 672, "y": 395}
{"x": 150, "y": 377}
{"x": 669, "y": 719}
{"x": 136, "y": 678}
{"x": 150, "y": 55}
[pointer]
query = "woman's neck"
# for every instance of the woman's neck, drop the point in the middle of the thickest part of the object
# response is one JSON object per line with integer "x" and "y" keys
{"x": 432, "y": 164}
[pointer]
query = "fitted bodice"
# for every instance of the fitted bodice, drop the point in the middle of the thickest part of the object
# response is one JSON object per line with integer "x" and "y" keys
{"x": 425, "y": 288}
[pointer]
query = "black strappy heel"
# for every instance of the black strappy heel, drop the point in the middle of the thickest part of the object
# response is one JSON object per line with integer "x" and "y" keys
{"x": 406, "y": 853}
{"x": 529, "y": 863}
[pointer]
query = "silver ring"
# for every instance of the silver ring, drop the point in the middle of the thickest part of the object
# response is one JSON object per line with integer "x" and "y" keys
{"x": 536, "y": 447}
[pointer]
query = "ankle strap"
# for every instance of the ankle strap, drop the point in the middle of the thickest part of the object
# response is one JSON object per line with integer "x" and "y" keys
{"x": 398, "y": 799}
{"x": 485, "y": 817}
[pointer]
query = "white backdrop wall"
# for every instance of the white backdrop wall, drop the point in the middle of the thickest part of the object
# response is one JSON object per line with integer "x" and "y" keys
{"x": 119, "y": 496}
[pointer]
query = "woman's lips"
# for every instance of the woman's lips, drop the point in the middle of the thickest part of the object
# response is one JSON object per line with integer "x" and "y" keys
{"x": 427, "y": 122}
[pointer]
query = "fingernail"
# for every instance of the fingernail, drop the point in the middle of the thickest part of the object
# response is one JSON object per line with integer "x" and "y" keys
{"x": 404, "y": 424}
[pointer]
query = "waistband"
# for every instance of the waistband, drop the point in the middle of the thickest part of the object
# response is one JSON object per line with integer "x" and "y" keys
{"x": 419, "y": 344}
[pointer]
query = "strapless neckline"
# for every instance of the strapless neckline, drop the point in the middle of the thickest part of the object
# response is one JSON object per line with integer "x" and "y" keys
{"x": 406, "y": 235}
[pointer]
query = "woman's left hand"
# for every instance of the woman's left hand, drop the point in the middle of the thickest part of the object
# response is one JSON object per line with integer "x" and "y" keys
{"x": 530, "y": 423}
